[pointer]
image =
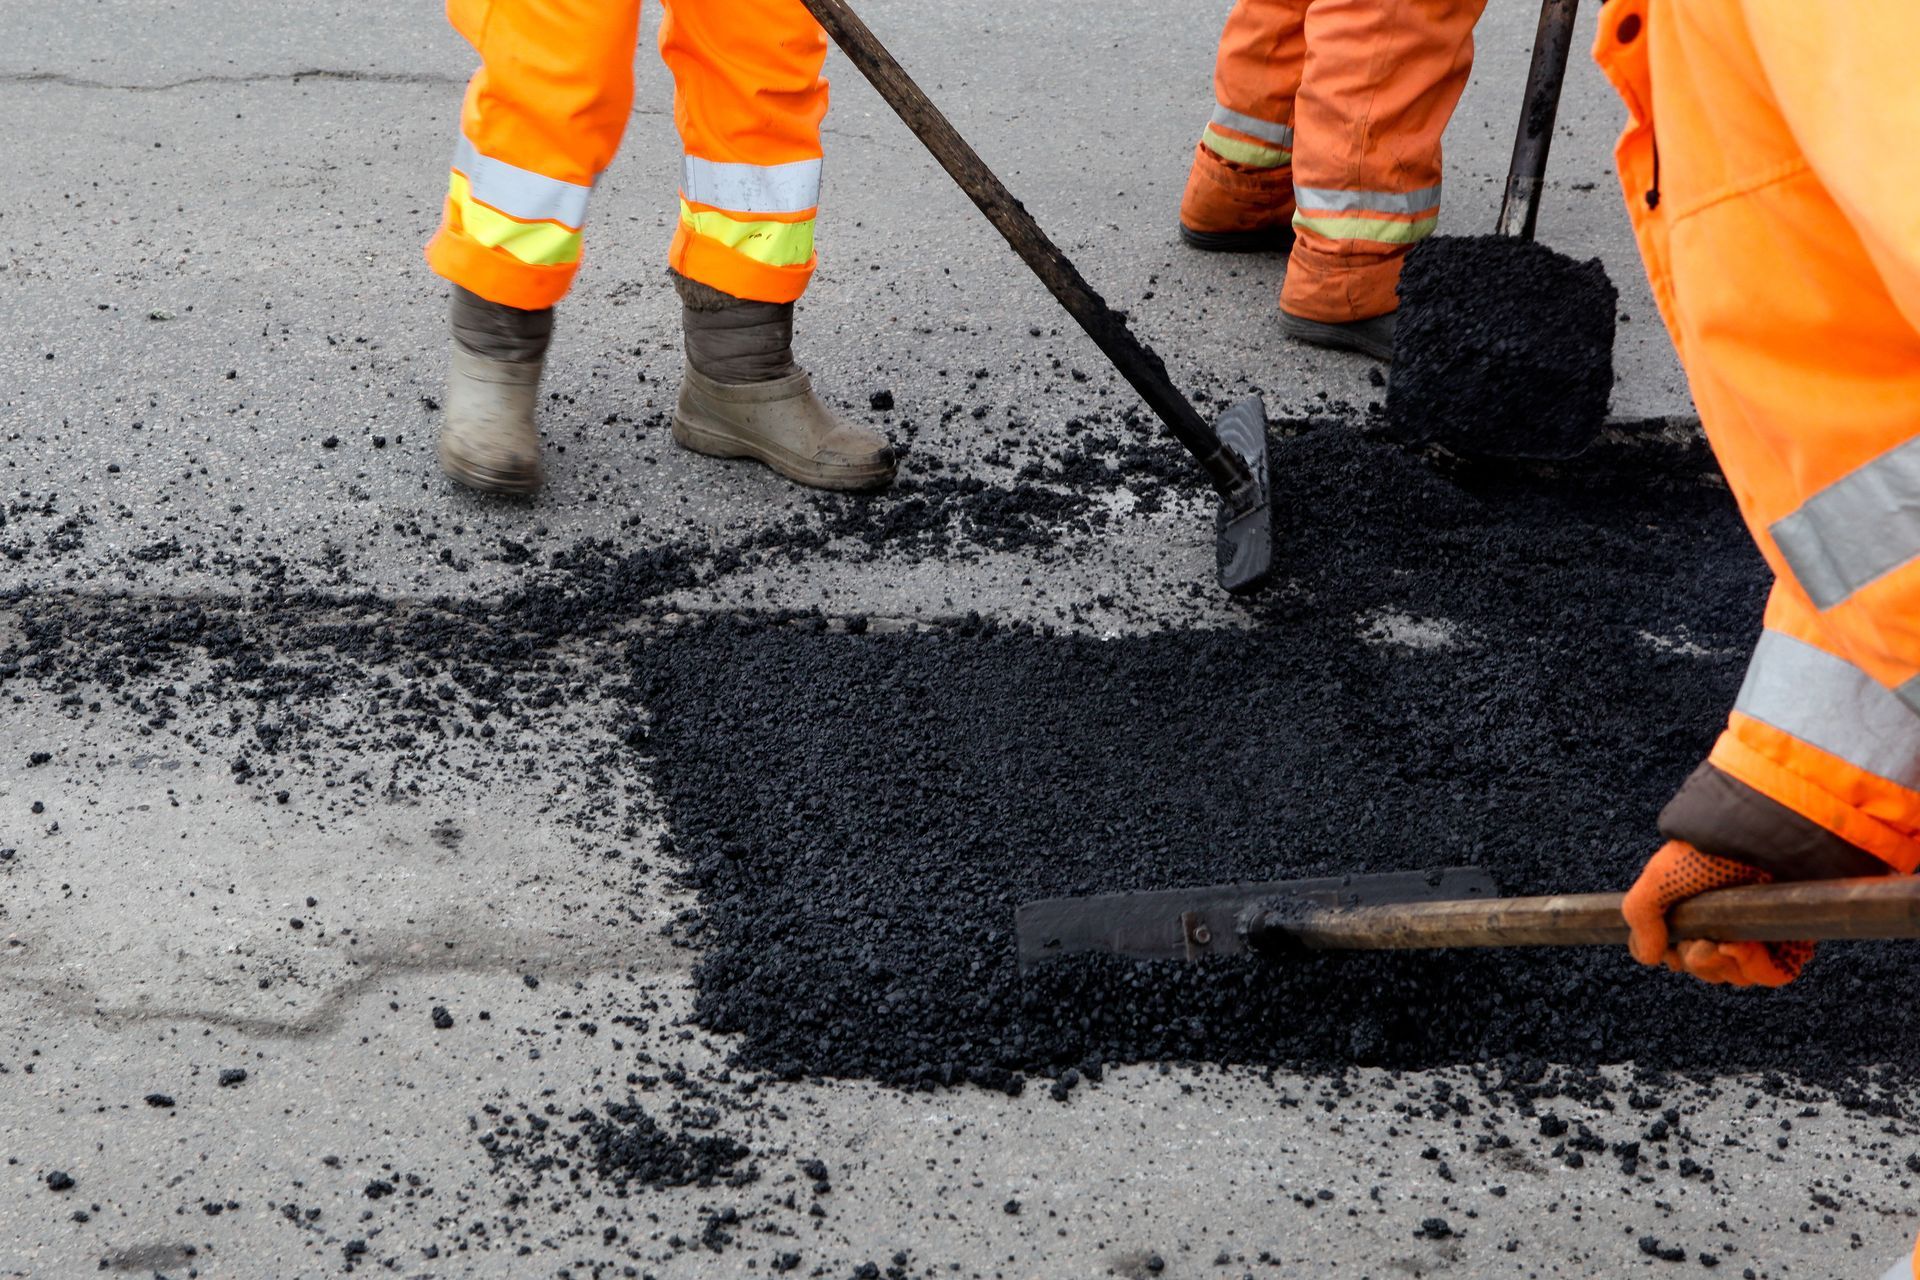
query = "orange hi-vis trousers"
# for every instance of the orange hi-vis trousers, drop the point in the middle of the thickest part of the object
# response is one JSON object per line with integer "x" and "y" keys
{"x": 1329, "y": 112}
{"x": 544, "y": 115}
{"x": 1770, "y": 171}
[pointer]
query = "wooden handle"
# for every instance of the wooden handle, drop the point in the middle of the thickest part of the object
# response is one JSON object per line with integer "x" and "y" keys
{"x": 1137, "y": 363}
{"x": 1874, "y": 907}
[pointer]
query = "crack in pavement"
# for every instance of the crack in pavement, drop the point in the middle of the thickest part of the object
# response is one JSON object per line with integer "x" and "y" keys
{"x": 657, "y": 958}
{"x": 70, "y": 81}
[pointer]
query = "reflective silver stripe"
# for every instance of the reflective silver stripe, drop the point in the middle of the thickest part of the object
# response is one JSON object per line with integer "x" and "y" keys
{"x": 1322, "y": 198}
{"x": 1278, "y": 134}
{"x": 1861, "y": 526}
{"x": 1909, "y": 693}
{"x": 1827, "y": 702}
{"x": 521, "y": 193}
{"x": 751, "y": 188}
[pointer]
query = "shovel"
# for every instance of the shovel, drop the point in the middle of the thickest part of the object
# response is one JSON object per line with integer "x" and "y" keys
{"x": 1232, "y": 450}
{"x": 1455, "y": 907}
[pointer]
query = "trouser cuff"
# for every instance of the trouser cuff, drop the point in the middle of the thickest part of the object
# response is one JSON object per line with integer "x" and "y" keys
{"x": 1341, "y": 287}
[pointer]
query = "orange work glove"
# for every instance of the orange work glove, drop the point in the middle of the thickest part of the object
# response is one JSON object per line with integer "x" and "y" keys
{"x": 1677, "y": 872}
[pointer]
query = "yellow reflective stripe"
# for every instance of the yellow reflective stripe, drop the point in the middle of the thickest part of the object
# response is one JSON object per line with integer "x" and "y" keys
{"x": 1247, "y": 153}
{"x": 777, "y": 244}
{"x": 538, "y": 244}
{"x": 1378, "y": 230}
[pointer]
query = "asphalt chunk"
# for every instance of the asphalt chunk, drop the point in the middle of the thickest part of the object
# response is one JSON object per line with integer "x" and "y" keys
{"x": 1503, "y": 348}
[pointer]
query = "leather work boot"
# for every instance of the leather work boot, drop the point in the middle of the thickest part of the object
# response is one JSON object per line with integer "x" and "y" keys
{"x": 1372, "y": 336}
{"x": 744, "y": 397}
{"x": 488, "y": 440}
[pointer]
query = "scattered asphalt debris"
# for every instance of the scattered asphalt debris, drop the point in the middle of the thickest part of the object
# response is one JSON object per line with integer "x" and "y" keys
{"x": 159, "y": 1100}
{"x": 1504, "y": 348}
{"x": 59, "y": 1180}
{"x": 232, "y": 1076}
{"x": 1508, "y": 665}
{"x": 627, "y": 1147}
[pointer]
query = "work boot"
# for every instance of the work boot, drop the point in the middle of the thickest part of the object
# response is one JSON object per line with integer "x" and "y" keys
{"x": 488, "y": 440}
{"x": 1230, "y": 208}
{"x": 744, "y": 397}
{"x": 1372, "y": 336}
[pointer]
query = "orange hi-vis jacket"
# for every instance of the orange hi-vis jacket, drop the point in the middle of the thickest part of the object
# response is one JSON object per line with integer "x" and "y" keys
{"x": 1771, "y": 176}
{"x": 545, "y": 113}
{"x": 1329, "y": 113}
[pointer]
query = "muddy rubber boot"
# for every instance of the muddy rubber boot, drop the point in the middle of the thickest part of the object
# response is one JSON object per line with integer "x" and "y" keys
{"x": 488, "y": 440}
{"x": 744, "y": 397}
{"x": 1372, "y": 336}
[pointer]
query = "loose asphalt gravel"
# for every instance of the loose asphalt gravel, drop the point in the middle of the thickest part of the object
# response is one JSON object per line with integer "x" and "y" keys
{"x": 621, "y": 884}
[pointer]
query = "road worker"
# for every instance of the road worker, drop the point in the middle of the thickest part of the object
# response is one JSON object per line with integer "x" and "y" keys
{"x": 1325, "y": 141}
{"x": 1771, "y": 178}
{"x": 542, "y": 119}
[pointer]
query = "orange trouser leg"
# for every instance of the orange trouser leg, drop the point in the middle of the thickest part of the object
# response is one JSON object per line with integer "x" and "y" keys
{"x": 543, "y": 116}
{"x": 1806, "y": 371}
{"x": 1381, "y": 80}
{"x": 1242, "y": 176}
{"x": 748, "y": 100}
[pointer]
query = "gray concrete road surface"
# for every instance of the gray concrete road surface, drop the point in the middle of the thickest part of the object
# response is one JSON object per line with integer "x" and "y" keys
{"x": 218, "y": 355}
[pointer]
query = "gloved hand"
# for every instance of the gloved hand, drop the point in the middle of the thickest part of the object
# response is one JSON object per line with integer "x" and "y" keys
{"x": 1679, "y": 871}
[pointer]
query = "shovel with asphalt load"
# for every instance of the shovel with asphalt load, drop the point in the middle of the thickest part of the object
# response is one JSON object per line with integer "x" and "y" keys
{"x": 1232, "y": 450}
{"x": 1425, "y": 910}
{"x": 1504, "y": 348}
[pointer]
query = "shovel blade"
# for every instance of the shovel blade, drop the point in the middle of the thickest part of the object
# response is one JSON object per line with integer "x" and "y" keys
{"x": 1188, "y": 924}
{"x": 1243, "y": 531}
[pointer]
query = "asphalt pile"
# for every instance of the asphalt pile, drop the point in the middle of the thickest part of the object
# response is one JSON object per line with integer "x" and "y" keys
{"x": 1503, "y": 348}
{"x": 1509, "y": 667}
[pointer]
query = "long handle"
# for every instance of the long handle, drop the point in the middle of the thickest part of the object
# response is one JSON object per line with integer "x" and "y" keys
{"x": 1136, "y": 362}
{"x": 1874, "y": 907}
{"x": 1527, "y": 174}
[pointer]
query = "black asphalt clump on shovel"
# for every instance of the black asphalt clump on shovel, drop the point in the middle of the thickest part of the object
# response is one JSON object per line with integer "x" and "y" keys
{"x": 1503, "y": 347}
{"x": 1232, "y": 451}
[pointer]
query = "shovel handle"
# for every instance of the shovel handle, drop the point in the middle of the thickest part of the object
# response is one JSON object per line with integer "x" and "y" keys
{"x": 1527, "y": 173}
{"x": 1873, "y": 907}
{"x": 1136, "y": 362}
